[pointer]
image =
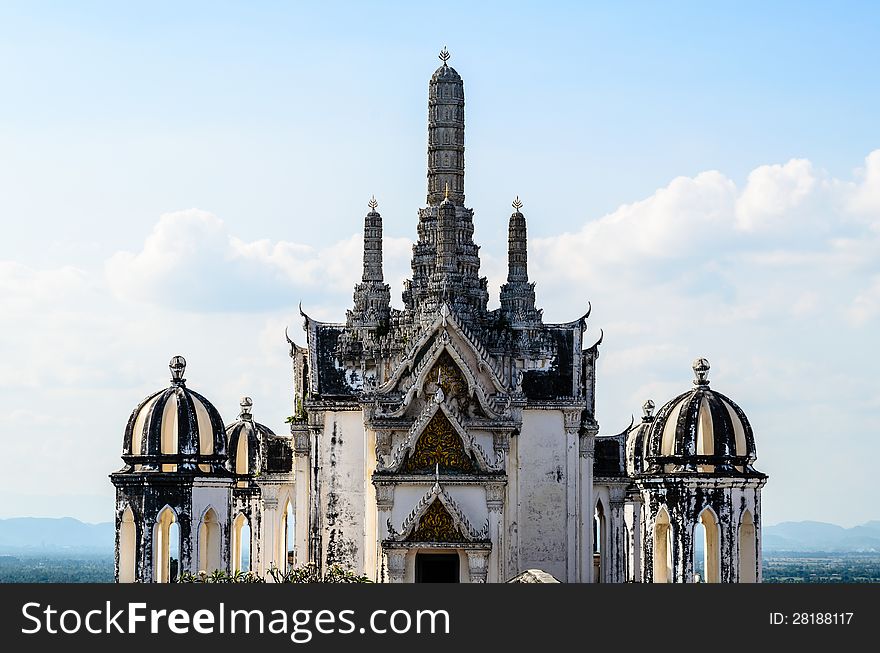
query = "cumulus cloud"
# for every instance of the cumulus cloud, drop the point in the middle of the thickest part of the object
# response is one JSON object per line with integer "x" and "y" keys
{"x": 191, "y": 262}
{"x": 772, "y": 191}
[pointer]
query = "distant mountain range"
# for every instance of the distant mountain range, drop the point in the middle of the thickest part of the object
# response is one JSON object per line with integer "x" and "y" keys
{"x": 820, "y": 536}
{"x": 44, "y": 535}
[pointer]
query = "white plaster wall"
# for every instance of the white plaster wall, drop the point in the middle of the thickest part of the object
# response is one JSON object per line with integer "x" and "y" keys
{"x": 209, "y": 494}
{"x": 541, "y": 515}
{"x": 341, "y": 463}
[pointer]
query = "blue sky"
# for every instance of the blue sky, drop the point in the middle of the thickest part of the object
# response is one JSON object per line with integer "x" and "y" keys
{"x": 176, "y": 178}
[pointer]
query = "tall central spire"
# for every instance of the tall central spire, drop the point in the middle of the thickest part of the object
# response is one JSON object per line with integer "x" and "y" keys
{"x": 445, "y": 134}
{"x": 446, "y": 261}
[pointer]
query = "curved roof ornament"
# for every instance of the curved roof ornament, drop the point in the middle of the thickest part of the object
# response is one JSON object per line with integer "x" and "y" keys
{"x": 599, "y": 341}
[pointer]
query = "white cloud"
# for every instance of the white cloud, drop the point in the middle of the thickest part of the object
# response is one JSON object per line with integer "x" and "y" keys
{"x": 865, "y": 196}
{"x": 772, "y": 191}
{"x": 191, "y": 262}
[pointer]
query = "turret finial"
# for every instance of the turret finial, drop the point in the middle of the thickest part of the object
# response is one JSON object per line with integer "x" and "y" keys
{"x": 373, "y": 203}
{"x": 701, "y": 371}
{"x": 444, "y": 55}
{"x": 246, "y": 404}
{"x": 517, "y": 204}
{"x": 648, "y": 411}
{"x": 446, "y": 192}
{"x": 177, "y": 367}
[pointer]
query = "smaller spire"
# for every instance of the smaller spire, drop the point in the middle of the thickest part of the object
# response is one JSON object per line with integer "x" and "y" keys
{"x": 246, "y": 405}
{"x": 177, "y": 367}
{"x": 517, "y": 204}
{"x": 701, "y": 371}
{"x": 446, "y": 192}
{"x": 444, "y": 55}
{"x": 373, "y": 203}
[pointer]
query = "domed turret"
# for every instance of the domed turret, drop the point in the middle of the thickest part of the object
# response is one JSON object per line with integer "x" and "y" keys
{"x": 175, "y": 430}
{"x": 247, "y": 442}
{"x": 699, "y": 431}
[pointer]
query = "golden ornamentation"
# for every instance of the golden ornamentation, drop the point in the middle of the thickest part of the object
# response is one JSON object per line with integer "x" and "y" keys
{"x": 448, "y": 376}
{"x": 436, "y": 525}
{"x": 439, "y": 444}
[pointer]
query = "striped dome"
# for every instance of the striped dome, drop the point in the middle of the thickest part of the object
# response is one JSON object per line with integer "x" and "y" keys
{"x": 246, "y": 438}
{"x": 175, "y": 429}
{"x": 700, "y": 431}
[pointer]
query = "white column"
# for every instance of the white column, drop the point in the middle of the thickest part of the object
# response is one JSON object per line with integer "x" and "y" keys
{"x": 269, "y": 530}
{"x": 384, "y": 504}
{"x": 495, "y": 506}
{"x": 302, "y": 487}
{"x": 478, "y": 565}
{"x": 585, "y": 552}
{"x": 615, "y": 565}
{"x": 572, "y": 423}
{"x": 636, "y": 542}
{"x": 396, "y": 565}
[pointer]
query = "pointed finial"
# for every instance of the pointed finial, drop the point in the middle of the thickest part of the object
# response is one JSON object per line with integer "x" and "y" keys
{"x": 517, "y": 204}
{"x": 246, "y": 404}
{"x": 373, "y": 203}
{"x": 446, "y": 192}
{"x": 437, "y": 472}
{"x": 648, "y": 411}
{"x": 701, "y": 371}
{"x": 444, "y": 55}
{"x": 177, "y": 367}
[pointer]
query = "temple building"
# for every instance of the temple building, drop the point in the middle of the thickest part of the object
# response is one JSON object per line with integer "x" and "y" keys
{"x": 443, "y": 442}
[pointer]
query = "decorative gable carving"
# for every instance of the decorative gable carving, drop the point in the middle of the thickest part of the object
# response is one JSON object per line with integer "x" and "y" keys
{"x": 437, "y": 518}
{"x": 446, "y": 442}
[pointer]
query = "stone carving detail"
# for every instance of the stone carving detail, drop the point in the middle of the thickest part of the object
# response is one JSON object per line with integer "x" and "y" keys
{"x": 439, "y": 410}
{"x": 460, "y": 523}
{"x": 436, "y": 525}
{"x": 438, "y": 444}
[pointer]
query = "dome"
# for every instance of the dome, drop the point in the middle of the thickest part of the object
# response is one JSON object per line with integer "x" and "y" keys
{"x": 700, "y": 431}
{"x": 175, "y": 429}
{"x": 445, "y": 73}
{"x": 246, "y": 438}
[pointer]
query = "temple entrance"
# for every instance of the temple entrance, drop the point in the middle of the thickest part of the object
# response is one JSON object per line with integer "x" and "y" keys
{"x": 437, "y": 568}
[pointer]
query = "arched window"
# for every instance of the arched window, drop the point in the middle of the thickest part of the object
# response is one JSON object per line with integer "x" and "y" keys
{"x": 707, "y": 533}
{"x": 127, "y": 546}
{"x": 748, "y": 559}
{"x": 209, "y": 543}
{"x": 241, "y": 458}
{"x": 166, "y": 546}
{"x": 662, "y": 548}
{"x": 599, "y": 543}
{"x": 288, "y": 528}
{"x": 241, "y": 543}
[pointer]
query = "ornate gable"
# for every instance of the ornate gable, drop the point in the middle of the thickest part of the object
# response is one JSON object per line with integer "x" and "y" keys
{"x": 449, "y": 345}
{"x": 438, "y": 437}
{"x": 438, "y": 445}
{"x": 437, "y": 518}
